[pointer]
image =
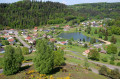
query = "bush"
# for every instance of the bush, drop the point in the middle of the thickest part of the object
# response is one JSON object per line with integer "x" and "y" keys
{"x": 94, "y": 55}
{"x": 21, "y": 44}
{"x": 103, "y": 70}
{"x": 99, "y": 49}
{"x": 118, "y": 64}
{"x": 25, "y": 50}
{"x": 105, "y": 59}
{"x": 112, "y": 62}
{"x": 85, "y": 46}
{"x": 83, "y": 39}
{"x": 119, "y": 53}
{"x": 111, "y": 49}
{"x": 5, "y": 42}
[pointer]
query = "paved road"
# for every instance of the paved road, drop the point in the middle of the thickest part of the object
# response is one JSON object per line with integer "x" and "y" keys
{"x": 107, "y": 65}
{"x": 24, "y": 64}
{"x": 23, "y": 42}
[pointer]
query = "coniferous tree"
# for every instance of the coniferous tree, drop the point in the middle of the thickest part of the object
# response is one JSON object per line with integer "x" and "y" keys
{"x": 95, "y": 31}
{"x": 58, "y": 58}
{"x": 12, "y": 62}
{"x": 19, "y": 57}
{"x": 44, "y": 57}
{"x": 113, "y": 40}
{"x": 106, "y": 38}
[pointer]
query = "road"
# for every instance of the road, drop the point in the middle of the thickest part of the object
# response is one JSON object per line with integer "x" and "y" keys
{"x": 23, "y": 42}
{"x": 24, "y": 64}
{"x": 107, "y": 65}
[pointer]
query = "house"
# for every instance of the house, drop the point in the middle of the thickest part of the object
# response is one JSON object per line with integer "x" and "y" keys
{"x": 66, "y": 28}
{"x": 11, "y": 41}
{"x": 11, "y": 31}
{"x": 44, "y": 35}
{"x": 2, "y": 50}
{"x": 49, "y": 36}
{"x": 103, "y": 51}
{"x": 28, "y": 38}
{"x": 35, "y": 29}
{"x": 25, "y": 36}
{"x": 31, "y": 41}
{"x": 63, "y": 43}
{"x": 35, "y": 36}
{"x": 52, "y": 40}
{"x": 46, "y": 30}
{"x": 57, "y": 26}
{"x": 97, "y": 45}
{"x": 86, "y": 52}
{"x": 41, "y": 29}
{"x": 0, "y": 44}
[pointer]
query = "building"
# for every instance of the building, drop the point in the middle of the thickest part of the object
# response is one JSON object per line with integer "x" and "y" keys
{"x": 52, "y": 40}
{"x": 11, "y": 31}
{"x": 11, "y": 41}
{"x": 28, "y": 38}
{"x": 35, "y": 29}
{"x": 86, "y": 52}
{"x": 66, "y": 28}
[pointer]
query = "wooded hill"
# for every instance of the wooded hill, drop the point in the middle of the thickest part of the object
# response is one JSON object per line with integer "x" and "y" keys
{"x": 98, "y": 10}
{"x": 27, "y": 14}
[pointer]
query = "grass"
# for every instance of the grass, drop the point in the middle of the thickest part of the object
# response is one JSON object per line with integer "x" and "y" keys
{"x": 74, "y": 72}
{"x": 1, "y": 63}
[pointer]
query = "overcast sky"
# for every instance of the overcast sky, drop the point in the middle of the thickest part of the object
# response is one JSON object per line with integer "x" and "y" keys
{"x": 68, "y": 2}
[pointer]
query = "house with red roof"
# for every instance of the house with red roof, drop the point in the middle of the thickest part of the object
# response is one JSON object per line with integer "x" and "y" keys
{"x": 52, "y": 40}
{"x": 66, "y": 28}
{"x": 28, "y": 38}
{"x": 11, "y": 41}
{"x": 35, "y": 29}
{"x": 86, "y": 52}
{"x": 57, "y": 26}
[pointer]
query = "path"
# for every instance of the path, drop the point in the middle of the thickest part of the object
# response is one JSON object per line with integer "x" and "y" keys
{"x": 106, "y": 42}
{"x": 107, "y": 65}
{"x": 24, "y": 64}
{"x": 23, "y": 42}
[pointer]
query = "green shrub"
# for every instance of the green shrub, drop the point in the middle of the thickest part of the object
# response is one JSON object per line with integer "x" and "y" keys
{"x": 118, "y": 64}
{"x": 5, "y": 42}
{"x": 112, "y": 62}
{"x": 105, "y": 59}
{"x": 119, "y": 53}
{"x": 25, "y": 50}
{"x": 99, "y": 49}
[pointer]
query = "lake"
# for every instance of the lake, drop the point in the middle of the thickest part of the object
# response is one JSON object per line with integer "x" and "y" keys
{"x": 75, "y": 36}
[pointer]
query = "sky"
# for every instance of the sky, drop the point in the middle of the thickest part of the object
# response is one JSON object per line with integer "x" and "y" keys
{"x": 67, "y": 2}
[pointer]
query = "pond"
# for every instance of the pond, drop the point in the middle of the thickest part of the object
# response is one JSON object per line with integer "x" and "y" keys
{"x": 75, "y": 36}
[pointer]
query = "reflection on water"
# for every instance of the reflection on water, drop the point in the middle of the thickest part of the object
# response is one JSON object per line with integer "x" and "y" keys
{"x": 75, "y": 36}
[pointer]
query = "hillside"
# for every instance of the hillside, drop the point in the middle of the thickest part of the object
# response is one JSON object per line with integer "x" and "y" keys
{"x": 28, "y": 14}
{"x": 98, "y": 10}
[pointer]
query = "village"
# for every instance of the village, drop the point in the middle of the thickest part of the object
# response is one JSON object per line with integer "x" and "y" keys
{"x": 51, "y": 33}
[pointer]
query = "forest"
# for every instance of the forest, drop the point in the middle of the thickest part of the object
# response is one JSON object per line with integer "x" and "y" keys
{"x": 98, "y": 10}
{"x": 28, "y": 14}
